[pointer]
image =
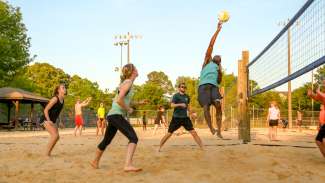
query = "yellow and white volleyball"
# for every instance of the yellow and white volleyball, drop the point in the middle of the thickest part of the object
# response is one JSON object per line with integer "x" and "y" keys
{"x": 223, "y": 16}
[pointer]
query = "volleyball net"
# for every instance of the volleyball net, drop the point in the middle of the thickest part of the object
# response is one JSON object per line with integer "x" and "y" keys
{"x": 297, "y": 49}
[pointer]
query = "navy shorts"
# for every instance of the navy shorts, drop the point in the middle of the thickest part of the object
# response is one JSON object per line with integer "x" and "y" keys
{"x": 208, "y": 93}
{"x": 321, "y": 134}
{"x": 176, "y": 123}
{"x": 273, "y": 122}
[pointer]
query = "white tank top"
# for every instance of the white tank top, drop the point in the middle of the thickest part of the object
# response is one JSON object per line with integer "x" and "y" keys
{"x": 274, "y": 112}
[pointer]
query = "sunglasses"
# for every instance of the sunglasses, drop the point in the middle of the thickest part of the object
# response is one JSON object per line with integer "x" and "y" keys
{"x": 183, "y": 87}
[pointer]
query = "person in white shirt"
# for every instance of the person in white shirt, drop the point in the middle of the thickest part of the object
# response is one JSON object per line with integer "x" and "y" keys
{"x": 273, "y": 118}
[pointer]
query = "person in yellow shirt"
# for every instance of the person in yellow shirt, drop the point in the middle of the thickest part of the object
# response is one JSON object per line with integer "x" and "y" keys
{"x": 101, "y": 119}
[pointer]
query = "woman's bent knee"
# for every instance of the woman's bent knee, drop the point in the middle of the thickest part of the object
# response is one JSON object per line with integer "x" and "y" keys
{"x": 134, "y": 140}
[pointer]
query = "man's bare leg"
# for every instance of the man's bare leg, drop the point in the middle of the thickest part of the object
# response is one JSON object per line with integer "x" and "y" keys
{"x": 75, "y": 130}
{"x": 321, "y": 146}
{"x": 164, "y": 140}
{"x": 80, "y": 130}
{"x": 197, "y": 139}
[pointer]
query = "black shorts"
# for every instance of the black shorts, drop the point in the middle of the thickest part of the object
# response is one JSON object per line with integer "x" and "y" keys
{"x": 299, "y": 122}
{"x": 43, "y": 119}
{"x": 101, "y": 119}
{"x": 176, "y": 123}
{"x": 157, "y": 121}
{"x": 321, "y": 134}
{"x": 273, "y": 122}
{"x": 207, "y": 94}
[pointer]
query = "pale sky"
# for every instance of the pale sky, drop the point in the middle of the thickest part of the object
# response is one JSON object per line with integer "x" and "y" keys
{"x": 78, "y": 36}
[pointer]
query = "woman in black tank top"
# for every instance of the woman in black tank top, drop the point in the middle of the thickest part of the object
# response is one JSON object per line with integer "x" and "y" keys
{"x": 51, "y": 114}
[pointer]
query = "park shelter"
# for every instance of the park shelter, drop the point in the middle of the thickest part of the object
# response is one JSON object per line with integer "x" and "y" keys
{"x": 14, "y": 97}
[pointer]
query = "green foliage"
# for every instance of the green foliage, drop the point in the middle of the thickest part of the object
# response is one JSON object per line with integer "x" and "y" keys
{"x": 192, "y": 89}
{"x": 300, "y": 100}
{"x": 151, "y": 92}
{"x": 42, "y": 78}
{"x": 14, "y": 43}
{"x": 229, "y": 83}
{"x": 83, "y": 88}
{"x": 320, "y": 74}
{"x": 263, "y": 100}
{"x": 46, "y": 77}
{"x": 20, "y": 80}
{"x": 160, "y": 79}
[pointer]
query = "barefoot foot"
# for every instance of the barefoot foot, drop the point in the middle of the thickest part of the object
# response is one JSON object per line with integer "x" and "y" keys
{"x": 94, "y": 164}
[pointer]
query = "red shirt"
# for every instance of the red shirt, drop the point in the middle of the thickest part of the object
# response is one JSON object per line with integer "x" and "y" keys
{"x": 322, "y": 117}
{"x": 321, "y": 97}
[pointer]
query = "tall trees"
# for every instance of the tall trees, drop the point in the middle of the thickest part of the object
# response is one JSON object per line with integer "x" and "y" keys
{"x": 14, "y": 43}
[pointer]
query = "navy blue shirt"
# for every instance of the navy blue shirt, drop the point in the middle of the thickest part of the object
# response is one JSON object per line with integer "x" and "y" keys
{"x": 180, "y": 112}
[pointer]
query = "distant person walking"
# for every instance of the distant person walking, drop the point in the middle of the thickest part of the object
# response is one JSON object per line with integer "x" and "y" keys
{"x": 273, "y": 118}
{"x": 144, "y": 120}
{"x": 299, "y": 120}
{"x": 160, "y": 119}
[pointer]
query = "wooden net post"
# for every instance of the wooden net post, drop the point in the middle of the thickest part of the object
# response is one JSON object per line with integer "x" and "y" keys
{"x": 242, "y": 91}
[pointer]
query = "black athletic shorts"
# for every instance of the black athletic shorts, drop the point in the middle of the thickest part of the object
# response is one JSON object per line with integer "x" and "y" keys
{"x": 321, "y": 134}
{"x": 176, "y": 123}
{"x": 208, "y": 93}
{"x": 273, "y": 122}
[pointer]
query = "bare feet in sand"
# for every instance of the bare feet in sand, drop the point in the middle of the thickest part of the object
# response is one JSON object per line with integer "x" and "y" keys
{"x": 94, "y": 164}
{"x": 132, "y": 169}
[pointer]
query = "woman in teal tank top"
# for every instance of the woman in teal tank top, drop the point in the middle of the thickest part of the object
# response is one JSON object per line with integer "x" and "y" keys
{"x": 116, "y": 118}
{"x": 208, "y": 91}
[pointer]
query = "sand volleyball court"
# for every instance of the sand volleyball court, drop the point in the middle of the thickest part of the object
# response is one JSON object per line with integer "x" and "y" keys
{"x": 294, "y": 158}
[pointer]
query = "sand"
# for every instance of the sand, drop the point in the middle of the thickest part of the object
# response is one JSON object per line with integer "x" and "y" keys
{"x": 294, "y": 158}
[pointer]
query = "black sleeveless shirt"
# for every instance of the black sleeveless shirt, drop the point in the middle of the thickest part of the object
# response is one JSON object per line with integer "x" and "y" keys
{"x": 54, "y": 112}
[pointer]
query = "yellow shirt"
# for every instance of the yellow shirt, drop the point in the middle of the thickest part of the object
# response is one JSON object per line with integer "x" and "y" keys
{"x": 101, "y": 112}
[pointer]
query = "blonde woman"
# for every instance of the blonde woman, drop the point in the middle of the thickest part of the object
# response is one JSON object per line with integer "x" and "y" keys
{"x": 273, "y": 118}
{"x": 116, "y": 118}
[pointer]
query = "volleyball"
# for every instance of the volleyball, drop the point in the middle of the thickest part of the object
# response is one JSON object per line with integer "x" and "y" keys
{"x": 223, "y": 16}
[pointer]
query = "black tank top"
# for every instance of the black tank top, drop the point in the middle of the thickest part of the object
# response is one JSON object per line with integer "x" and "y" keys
{"x": 54, "y": 112}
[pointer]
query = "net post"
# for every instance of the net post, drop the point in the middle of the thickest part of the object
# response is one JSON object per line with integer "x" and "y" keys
{"x": 242, "y": 97}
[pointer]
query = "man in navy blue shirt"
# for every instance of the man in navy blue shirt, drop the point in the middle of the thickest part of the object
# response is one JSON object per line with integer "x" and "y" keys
{"x": 180, "y": 103}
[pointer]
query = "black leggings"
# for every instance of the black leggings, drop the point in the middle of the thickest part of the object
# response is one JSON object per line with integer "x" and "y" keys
{"x": 117, "y": 122}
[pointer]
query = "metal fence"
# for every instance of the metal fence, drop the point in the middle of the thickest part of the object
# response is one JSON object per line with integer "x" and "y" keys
{"x": 257, "y": 117}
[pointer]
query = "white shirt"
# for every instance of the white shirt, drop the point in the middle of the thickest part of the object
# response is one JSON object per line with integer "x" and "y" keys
{"x": 274, "y": 113}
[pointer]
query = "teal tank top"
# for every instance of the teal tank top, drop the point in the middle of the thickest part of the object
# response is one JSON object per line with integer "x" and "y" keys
{"x": 209, "y": 74}
{"x": 116, "y": 108}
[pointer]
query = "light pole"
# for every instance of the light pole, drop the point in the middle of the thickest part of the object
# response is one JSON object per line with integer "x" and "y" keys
{"x": 312, "y": 100}
{"x": 121, "y": 44}
{"x": 284, "y": 23}
{"x": 127, "y": 38}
